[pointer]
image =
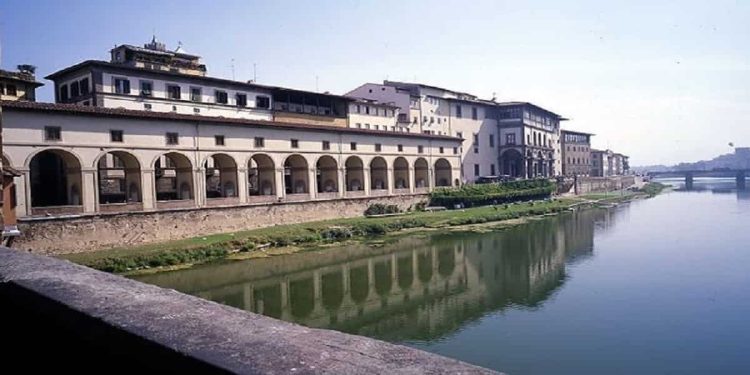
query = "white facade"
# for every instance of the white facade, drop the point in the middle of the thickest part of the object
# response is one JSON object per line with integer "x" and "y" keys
{"x": 168, "y": 163}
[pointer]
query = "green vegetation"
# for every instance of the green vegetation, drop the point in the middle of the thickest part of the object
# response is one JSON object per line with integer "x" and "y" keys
{"x": 653, "y": 188}
{"x": 381, "y": 209}
{"x": 208, "y": 248}
{"x": 484, "y": 194}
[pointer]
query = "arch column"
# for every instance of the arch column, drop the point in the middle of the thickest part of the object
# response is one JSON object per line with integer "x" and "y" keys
{"x": 312, "y": 185}
{"x": 88, "y": 189}
{"x": 367, "y": 181}
{"x": 431, "y": 177}
{"x": 242, "y": 183}
{"x": 391, "y": 180}
{"x": 148, "y": 189}
{"x": 279, "y": 179}
{"x": 341, "y": 177}
{"x": 199, "y": 187}
{"x": 24, "y": 187}
{"x": 412, "y": 181}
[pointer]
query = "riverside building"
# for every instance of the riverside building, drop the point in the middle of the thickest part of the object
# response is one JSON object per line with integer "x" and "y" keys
{"x": 576, "y": 153}
{"x": 150, "y": 130}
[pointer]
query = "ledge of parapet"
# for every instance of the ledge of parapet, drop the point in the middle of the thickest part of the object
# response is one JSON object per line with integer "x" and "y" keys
{"x": 144, "y": 327}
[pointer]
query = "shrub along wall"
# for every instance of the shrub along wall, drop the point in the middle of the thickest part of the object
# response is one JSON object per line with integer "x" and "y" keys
{"x": 484, "y": 194}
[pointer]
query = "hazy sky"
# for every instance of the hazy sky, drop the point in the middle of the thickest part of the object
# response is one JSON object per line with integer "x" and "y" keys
{"x": 662, "y": 81}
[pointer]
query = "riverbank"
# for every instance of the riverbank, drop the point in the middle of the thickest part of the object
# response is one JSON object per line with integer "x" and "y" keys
{"x": 285, "y": 239}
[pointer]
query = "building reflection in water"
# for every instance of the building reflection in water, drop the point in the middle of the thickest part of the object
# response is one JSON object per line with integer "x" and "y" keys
{"x": 417, "y": 288}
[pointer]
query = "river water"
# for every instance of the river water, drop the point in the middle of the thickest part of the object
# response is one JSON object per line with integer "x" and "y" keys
{"x": 654, "y": 286}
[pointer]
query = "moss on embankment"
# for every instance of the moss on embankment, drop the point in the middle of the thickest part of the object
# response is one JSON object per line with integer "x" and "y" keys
{"x": 207, "y": 248}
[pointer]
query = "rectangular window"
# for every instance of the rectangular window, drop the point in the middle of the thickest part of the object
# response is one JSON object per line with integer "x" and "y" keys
{"x": 64, "y": 93}
{"x": 295, "y": 143}
{"x": 458, "y": 111}
{"x": 262, "y": 102}
{"x": 378, "y": 147}
{"x": 492, "y": 140}
{"x": 353, "y": 146}
{"x": 326, "y": 145}
{"x": 400, "y": 148}
{"x": 367, "y": 110}
{"x": 75, "y": 89}
{"x": 359, "y": 126}
{"x": 122, "y": 85}
{"x": 196, "y": 94}
{"x": 241, "y": 100}
{"x": 441, "y": 149}
{"x": 173, "y": 138}
{"x": 356, "y": 108}
{"x": 455, "y": 150}
{"x": 420, "y": 149}
{"x": 147, "y": 88}
{"x": 115, "y": 135}
{"x": 476, "y": 169}
{"x": 510, "y": 139}
{"x": 492, "y": 169}
{"x": 52, "y": 133}
{"x": 11, "y": 90}
{"x": 474, "y": 113}
{"x": 85, "y": 86}
{"x": 459, "y": 135}
{"x": 219, "y": 140}
{"x": 221, "y": 97}
{"x": 147, "y": 106}
{"x": 173, "y": 92}
{"x": 259, "y": 142}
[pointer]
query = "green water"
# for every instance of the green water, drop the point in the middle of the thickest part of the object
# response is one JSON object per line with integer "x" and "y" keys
{"x": 655, "y": 286}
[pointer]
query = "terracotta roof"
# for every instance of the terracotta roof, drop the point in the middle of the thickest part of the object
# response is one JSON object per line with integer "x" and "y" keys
{"x": 75, "y": 109}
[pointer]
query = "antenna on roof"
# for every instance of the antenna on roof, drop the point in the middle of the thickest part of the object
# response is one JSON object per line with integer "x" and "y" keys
{"x": 255, "y": 76}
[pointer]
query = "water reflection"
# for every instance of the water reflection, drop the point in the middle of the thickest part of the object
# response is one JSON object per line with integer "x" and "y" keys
{"x": 709, "y": 184}
{"x": 418, "y": 288}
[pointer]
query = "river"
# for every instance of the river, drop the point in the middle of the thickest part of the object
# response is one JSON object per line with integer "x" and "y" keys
{"x": 653, "y": 286}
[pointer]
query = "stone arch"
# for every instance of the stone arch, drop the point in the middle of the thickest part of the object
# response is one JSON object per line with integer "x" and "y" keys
{"x": 443, "y": 172}
{"x": 173, "y": 177}
{"x": 295, "y": 175}
{"x": 55, "y": 178}
{"x": 221, "y": 176}
{"x": 327, "y": 174}
{"x": 378, "y": 174}
{"x": 421, "y": 173}
{"x": 119, "y": 178}
{"x": 261, "y": 175}
{"x": 355, "y": 174}
{"x": 512, "y": 163}
{"x": 401, "y": 173}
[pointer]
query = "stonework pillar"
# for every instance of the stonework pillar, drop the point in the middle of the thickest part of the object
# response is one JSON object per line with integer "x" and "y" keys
{"x": 341, "y": 176}
{"x": 148, "y": 189}
{"x": 242, "y": 184}
{"x": 431, "y": 178}
{"x": 199, "y": 187}
{"x": 312, "y": 183}
{"x": 391, "y": 180}
{"x": 366, "y": 181}
{"x": 88, "y": 190}
{"x": 412, "y": 181}
{"x": 280, "y": 189}
{"x": 23, "y": 194}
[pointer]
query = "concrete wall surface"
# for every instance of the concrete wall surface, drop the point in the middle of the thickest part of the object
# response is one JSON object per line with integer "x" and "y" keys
{"x": 70, "y": 317}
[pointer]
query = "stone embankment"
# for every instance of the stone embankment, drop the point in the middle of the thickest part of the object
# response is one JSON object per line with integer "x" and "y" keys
{"x": 79, "y": 319}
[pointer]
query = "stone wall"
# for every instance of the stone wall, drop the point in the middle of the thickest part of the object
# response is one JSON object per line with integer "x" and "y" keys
{"x": 586, "y": 185}
{"x": 83, "y": 233}
{"x": 85, "y": 321}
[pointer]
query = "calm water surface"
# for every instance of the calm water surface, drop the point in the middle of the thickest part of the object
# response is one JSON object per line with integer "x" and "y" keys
{"x": 656, "y": 286}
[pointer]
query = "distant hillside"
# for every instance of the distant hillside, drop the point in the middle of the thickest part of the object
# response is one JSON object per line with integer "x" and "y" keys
{"x": 740, "y": 159}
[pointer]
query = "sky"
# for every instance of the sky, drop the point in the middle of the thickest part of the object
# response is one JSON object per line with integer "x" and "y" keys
{"x": 661, "y": 81}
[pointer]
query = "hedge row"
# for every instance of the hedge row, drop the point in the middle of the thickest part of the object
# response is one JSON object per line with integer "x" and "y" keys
{"x": 485, "y": 194}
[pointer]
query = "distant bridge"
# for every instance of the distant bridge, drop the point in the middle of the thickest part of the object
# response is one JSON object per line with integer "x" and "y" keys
{"x": 690, "y": 175}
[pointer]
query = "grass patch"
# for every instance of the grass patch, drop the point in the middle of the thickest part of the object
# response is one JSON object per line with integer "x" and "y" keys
{"x": 207, "y": 248}
{"x": 653, "y": 189}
